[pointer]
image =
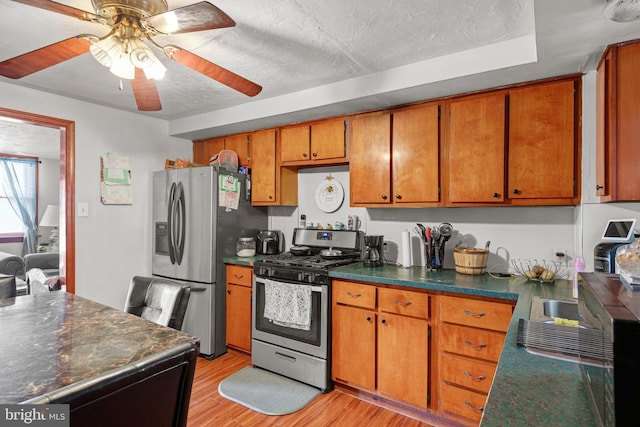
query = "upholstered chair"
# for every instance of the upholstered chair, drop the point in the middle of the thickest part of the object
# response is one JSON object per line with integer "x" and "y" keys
{"x": 7, "y": 286}
{"x": 159, "y": 300}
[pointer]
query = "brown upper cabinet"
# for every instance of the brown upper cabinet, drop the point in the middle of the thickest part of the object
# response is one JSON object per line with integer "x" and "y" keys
{"x": 516, "y": 147}
{"x": 272, "y": 185}
{"x": 476, "y": 148}
{"x": 263, "y": 171}
{"x": 617, "y": 123}
{"x": 370, "y": 163}
{"x": 205, "y": 149}
{"x": 394, "y": 158}
{"x": 542, "y": 142}
{"x": 318, "y": 143}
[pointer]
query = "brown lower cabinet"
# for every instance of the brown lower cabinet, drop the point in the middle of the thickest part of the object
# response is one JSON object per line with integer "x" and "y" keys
{"x": 238, "y": 316}
{"x": 383, "y": 345}
{"x": 381, "y": 341}
{"x": 471, "y": 336}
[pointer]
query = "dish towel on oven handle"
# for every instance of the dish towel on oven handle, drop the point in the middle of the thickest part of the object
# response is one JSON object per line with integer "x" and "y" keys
{"x": 287, "y": 304}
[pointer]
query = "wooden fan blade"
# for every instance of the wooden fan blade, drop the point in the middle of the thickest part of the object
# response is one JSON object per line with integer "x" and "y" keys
{"x": 145, "y": 92}
{"x": 45, "y": 57}
{"x": 214, "y": 71}
{"x": 196, "y": 17}
{"x": 63, "y": 9}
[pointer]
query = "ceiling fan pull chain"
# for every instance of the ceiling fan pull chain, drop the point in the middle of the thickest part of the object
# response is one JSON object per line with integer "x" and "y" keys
{"x": 120, "y": 85}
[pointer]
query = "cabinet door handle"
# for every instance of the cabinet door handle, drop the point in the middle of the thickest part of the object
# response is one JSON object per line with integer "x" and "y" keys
{"x": 480, "y": 346}
{"x": 384, "y": 197}
{"x": 383, "y": 321}
{"x": 229, "y": 291}
{"x": 238, "y": 277}
{"x": 315, "y": 154}
{"x": 477, "y": 379}
{"x": 403, "y": 304}
{"x": 353, "y": 295}
{"x": 398, "y": 196}
{"x": 368, "y": 318}
{"x": 304, "y": 154}
{"x": 599, "y": 187}
{"x": 516, "y": 191}
{"x": 473, "y": 408}
{"x": 496, "y": 195}
{"x": 478, "y": 315}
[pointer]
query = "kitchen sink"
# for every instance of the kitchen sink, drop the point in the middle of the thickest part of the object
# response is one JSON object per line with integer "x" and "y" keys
{"x": 542, "y": 336}
{"x": 546, "y": 310}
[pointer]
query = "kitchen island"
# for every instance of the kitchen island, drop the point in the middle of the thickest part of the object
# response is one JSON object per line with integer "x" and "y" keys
{"x": 111, "y": 367}
{"x": 528, "y": 389}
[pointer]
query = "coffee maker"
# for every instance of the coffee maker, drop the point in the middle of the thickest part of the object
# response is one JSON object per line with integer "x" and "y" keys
{"x": 373, "y": 251}
{"x": 270, "y": 242}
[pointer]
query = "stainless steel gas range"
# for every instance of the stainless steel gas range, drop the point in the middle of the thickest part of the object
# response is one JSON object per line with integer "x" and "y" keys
{"x": 291, "y": 305}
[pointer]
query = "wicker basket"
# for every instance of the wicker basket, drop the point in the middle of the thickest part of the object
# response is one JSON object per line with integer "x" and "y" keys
{"x": 471, "y": 260}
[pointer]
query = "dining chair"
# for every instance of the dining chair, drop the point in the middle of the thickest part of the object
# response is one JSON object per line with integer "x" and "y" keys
{"x": 161, "y": 301}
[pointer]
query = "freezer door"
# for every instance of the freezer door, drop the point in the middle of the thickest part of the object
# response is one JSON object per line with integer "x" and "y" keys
{"x": 198, "y": 320}
{"x": 194, "y": 224}
{"x": 163, "y": 182}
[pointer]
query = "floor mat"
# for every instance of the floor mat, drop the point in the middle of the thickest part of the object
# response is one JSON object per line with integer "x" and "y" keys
{"x": 266, "y": 392}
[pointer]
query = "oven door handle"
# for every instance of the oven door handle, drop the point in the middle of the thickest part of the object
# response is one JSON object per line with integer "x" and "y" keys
{"x": 313, "y": 288}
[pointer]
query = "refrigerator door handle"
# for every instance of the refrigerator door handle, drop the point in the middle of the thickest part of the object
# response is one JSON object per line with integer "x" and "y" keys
{"x": 193, "y": 289}
{"x": 182, "y": 223}
{"x": 170, "y": 223}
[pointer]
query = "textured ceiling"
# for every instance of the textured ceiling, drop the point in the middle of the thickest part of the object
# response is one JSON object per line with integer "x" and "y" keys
{"x": 310, "y": 47}
{"x": 284, "y": 45}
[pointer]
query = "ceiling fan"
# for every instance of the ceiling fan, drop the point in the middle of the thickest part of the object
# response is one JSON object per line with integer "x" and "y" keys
{"x": 124, "y": 50}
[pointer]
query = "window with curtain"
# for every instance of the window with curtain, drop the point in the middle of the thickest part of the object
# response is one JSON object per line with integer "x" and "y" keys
{"x": 18, "y": 201}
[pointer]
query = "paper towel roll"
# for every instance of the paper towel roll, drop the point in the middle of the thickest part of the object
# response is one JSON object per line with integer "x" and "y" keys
{"x": 406, "y": 249}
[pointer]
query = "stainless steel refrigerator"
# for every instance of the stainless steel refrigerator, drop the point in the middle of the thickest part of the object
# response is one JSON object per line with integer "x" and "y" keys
{"x": 192, "y": 235}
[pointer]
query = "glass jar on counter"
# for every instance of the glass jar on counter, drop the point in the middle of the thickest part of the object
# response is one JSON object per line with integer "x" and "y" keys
{"x": 246, "y": 246}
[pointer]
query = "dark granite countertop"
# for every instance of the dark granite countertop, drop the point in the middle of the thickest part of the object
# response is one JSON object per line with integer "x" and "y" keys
{"x": 528, "y": 390}
{"x": 247, "y": 261}
{"x": 49, "y": 341}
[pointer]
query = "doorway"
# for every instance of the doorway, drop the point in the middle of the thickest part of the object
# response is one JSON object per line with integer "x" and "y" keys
{"x": 66, "y": 189}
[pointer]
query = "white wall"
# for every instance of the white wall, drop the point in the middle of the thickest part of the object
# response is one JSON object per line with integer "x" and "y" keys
{"x": 514, "y": 232}
{"x": 114, "y": 242}
{"x": 48, "y": 192}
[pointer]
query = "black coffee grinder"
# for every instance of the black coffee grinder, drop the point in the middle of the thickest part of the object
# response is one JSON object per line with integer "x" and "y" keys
{"x": 373, "y": 251}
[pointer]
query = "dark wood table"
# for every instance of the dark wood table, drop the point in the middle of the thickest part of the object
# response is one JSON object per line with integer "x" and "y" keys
{"x": 57, "y": 347}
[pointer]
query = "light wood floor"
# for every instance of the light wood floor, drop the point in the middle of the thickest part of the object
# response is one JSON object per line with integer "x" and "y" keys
{"x": 335, "y": 408}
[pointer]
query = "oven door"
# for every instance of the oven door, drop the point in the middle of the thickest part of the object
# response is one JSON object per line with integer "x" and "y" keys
{"x": 312, "y": 342}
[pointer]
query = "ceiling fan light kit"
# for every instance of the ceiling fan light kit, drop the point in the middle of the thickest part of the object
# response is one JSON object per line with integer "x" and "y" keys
{"x": 622, "y": 10}
{"x": 124, "y": 51}
{"x": 123, "y": 56}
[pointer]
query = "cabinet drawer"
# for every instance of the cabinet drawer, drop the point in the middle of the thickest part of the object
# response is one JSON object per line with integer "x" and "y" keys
{"x": 470, "y": 373}
{"x": 465, "y": 403}
{"x": 354, "y": 294}
{"x": 472, "y": 342}
{"x": 408, "y": 303}
{"x": 239, "y": 275}
{"x": 479, "y": 314}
